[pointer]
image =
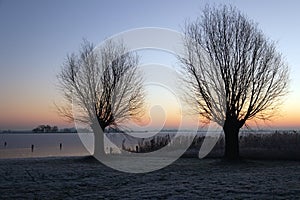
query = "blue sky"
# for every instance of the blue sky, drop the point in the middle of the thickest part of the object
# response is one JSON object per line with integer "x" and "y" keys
{"x": 36, "y": 36}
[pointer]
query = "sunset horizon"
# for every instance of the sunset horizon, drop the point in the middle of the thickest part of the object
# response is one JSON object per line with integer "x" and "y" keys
{"x": 160, "y": 99}
{"x": 29, "y": 88}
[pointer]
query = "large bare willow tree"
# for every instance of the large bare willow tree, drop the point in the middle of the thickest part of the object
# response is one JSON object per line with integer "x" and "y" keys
{"x": 103, "y": 86}
{"x": 233, "y": 71}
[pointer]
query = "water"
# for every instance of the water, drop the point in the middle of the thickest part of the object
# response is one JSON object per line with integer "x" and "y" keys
{"x": 19, "y": 145}
{"x": 283, "y": 145}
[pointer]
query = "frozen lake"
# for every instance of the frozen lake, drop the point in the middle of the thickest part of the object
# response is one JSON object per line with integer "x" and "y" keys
{"x": 262, "y": 145}
{"x": 18, "y": 145}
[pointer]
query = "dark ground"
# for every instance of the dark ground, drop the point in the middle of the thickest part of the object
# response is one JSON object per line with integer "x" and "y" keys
{"x": 187, "y": 178}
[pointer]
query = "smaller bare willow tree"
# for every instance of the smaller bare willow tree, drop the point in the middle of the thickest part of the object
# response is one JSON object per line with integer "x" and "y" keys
{"x": 103, "y": 86}
{"x": 233, "y": 72}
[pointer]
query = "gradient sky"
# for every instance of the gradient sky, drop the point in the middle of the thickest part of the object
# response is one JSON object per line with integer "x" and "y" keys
{"x": 36, "y": 36}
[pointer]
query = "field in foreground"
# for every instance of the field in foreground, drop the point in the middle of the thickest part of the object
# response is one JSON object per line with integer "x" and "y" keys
{"x": 190, "y": 178}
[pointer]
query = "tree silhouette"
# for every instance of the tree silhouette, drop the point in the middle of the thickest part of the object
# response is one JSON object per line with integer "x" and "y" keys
{"x": 104, "y": 86}
{"x": 233, "y": 72}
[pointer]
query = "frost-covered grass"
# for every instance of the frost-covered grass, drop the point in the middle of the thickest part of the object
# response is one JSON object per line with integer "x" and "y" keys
{"x": 187, "y": 178}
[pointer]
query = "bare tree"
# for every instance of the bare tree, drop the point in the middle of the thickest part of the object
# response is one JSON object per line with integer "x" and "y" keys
{"x": 104, "y": 86}
{"x": 233, "y": 72}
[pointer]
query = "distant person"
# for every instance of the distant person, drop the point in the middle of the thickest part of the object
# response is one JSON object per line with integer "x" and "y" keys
{"x": 5, "y": 144}
{"x": 137, "y": 149}
{"x": 32, "y": 147}
{"x": 60, "y": 146}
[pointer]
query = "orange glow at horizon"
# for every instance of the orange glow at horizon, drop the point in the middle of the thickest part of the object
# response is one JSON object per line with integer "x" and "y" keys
{"x": 29, "y": 113}
{"x": 32, "y": 115}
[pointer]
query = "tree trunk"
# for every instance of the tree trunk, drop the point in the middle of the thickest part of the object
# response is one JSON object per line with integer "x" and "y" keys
{"x": 99, "y": 151}
{"x": 231, "y": 130}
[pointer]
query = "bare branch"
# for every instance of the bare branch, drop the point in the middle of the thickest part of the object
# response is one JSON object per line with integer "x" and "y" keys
{"x": 103, "y": 85}
{"x": 232, "y": 69}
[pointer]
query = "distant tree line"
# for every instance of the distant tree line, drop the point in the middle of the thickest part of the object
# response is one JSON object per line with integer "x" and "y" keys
{"x": 53, "y": 129}
{"x": 45, "y": 129}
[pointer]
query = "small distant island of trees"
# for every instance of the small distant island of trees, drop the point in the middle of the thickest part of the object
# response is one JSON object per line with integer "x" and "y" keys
{"x": 52, "y": 129}
{"x": 43, "y": 129}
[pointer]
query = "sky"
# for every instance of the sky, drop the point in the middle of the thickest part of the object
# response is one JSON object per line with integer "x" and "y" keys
{"x": 36, "y": 36}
